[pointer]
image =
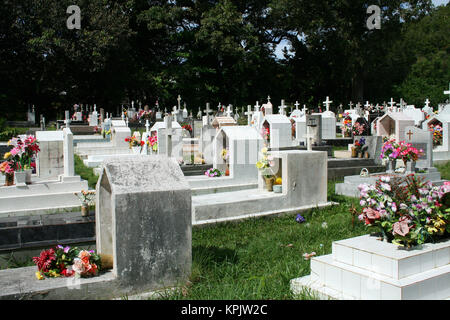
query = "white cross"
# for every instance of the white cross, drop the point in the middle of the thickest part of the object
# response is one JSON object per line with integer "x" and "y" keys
{"x": 327, "y": 103}
{"x": 147, "y": 125}
{"x": 282, "y": 107}
{"x": 448, "y": 91}
{"x": 350, "y": 105}
{"x": 208, "y": 110}
{"x": 229, "y": 111}
{"x": 427, "y": 103}
{"x": 367, "y": 105}
{"x": 304, "y": 109}
{"x": 123, "y": 116}
{"x": 132, "y": 104}
{"x": 67, "y": 120}
{"x": 249, "y": 114}
{"x": 169, "y": 133}
{"x": 296, "y": 105}
{"x": 392, "y": 103}
{"x": 257, "y": 106}
{"x": 179, "y": 102}
{"x": 268, "y": 99}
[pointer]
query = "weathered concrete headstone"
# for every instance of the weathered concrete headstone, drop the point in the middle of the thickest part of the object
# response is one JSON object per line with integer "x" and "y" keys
{"x": 144, "y": 222}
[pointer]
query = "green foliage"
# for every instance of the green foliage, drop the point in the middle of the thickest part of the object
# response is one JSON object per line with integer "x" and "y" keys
{"x": 7, "y": 133}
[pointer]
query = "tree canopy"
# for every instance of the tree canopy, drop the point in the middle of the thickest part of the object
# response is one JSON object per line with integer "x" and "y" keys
{"x": 219, "y": 51}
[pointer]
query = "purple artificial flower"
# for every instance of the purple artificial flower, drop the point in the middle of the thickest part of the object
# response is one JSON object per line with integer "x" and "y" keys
{"x": 66, "y": 249}
{"x": 299, "y": 218}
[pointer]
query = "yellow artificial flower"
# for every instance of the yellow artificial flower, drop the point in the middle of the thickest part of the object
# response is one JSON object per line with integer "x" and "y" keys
{"x": 259, "y": 164}
{"x": 39, "y": 276}
{"x": 7, "y": 155}
{"x": 53, "y": 273}
{"x": 264, "y": 150}
{"x": 278, "y": 181}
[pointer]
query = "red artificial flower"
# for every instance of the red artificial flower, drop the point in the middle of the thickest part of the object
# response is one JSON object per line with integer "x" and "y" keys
{"x": 45, "y": 260}
{"x": 142, "y": 143}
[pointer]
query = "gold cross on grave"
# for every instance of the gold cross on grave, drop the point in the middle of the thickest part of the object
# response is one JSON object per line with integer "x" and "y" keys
{"x": 410, "y": 134}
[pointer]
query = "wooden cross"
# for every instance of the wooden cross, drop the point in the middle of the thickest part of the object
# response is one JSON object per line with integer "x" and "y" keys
{"x": 327, "y": 103}
{"x": 282, "y": 107}
{"x": 410, "y": 134}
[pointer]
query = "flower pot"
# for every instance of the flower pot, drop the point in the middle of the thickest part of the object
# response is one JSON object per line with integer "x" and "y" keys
{"x": 354, "y": 152}
{"x": 390, "y": 167}
{"x": 269, "y": 183}
{"x": 360, "y": 155}
{"x": 136, "y": 150}
{"x": 84, "y": 210}
{"x": 28, "y": 173}
{"x": 21, "y": 178}
{"x": 9, "y": 179}
{"x": 366, "y": 155}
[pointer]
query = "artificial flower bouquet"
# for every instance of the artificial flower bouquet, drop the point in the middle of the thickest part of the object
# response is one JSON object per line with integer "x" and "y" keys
{"x": 266, "y": 163}
{"x": 265, "y": 132}
{"x": 358, "y": 129}
{"x": 213, "y": 173}
{"x": 23, "y": 154}
{"x": 106, "y": 133}
{"x": 134, "y": 141}
{"x": 437, "y": 134}
{"x": 347, "y": 126}
{"x": 225, "y": 154}
{"x": 187, "y": 127}
{"x": 391, "y": 150}
{"x": 360, "y": 145}
{"x": 86, "y": 197}
{"x": 406, "y": 211}
{"x": 153, "y": 142}
{"x": 66, "y": 262}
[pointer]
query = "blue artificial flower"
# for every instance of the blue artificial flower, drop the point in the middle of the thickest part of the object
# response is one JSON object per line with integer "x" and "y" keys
{"x": 299, "y": 218}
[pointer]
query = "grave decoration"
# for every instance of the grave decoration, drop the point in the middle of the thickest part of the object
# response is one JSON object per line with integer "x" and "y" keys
{"x": 7, "y": 170}
{"x": 265, "y": 165}
{"x": 406, "y": 211}
{"x": 135, "y": 143}
{"x": 22, "y": 158}
{"x": 86, "y": 198}
{"x": 437, "y": 130}
{"x": 346, "y": 126}
{"x": 212, "y": 173}
{"x": 358, "y": 128}
{"x": 153, "y": 143}
{"x": 106, "y": 133}
{"x": 67, "y": 262}
{"x": 391, "y": 151}
{"x": 360, "y": 148}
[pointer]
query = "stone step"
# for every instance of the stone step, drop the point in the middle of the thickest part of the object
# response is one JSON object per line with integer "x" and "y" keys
{"x": 352, "y": 162}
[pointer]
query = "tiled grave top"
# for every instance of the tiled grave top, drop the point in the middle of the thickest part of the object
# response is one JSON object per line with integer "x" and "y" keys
{"x": 124, "y": 178}
{"x": 162, "y": 125}
{"x": 241, "y": 133}
{"x": 49, "y": 135}
{"x": 277, "y": 118}
{"x": 390, "y": 260}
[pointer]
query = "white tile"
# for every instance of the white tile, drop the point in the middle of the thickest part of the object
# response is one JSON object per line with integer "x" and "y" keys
{"x": 362, "y": 259}
{"x": 343, "y": 254}
{"x": 370, "y": 288}
{"x": 333, "y": 277}
{"x": 390, "y": 292}
{"x": 411, "y": 292}
{"x": 317, "y": 271}
{"x": 409, "y": 266}
{"x": 441, "y": 257}
{"x": 429, "y": 288}
{"x": 426, "y": 261}
{"x": 382, "y": 265}
{"x": 351, "y": 284}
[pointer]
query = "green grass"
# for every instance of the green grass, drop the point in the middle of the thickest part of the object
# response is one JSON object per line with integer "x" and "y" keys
{"x": 257, "y": 258}
{"x": 84, "y": 172}
{"x": 444, "y": 169}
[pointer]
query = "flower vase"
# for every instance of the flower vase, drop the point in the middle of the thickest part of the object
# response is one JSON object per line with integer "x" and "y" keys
{"x": 21, "y": 178}
{"x": 410, "y": 167}
{"x": 136, "y": 150}
{"x": 9, "y": 179}
{"x": 269, "y": 183}
{"x": 360, "y": 155}
{"x": 28, "y": 173}
{"x": 390, "y": 166}
{"x": 366, "y": 155}
{"x": 84, "y": 210}
{"x": 354, "y": 152}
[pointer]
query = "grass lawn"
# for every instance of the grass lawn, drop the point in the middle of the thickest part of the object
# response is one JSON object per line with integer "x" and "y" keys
{"x": 256, "y": 258}
{"x": 84, "y": 172}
